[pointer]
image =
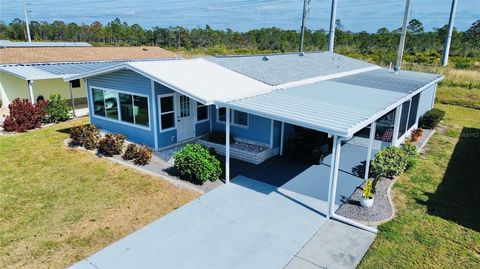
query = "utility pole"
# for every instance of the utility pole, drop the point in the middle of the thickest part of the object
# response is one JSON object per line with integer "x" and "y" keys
{"x": 26, "y": 20}
{"x": 448, "y": 38}
{"x": 401, "y": 45}
{"x": 331, "y": 33}
{"x": 302, "y": 31}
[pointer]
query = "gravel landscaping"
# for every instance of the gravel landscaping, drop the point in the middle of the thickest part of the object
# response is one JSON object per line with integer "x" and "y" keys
{"x": 380, "y": 212}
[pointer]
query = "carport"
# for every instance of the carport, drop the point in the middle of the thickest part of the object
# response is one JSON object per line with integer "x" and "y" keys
{"x": 338, "y": 108}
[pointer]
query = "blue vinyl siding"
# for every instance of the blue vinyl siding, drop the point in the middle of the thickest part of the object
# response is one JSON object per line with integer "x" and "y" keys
{"x": 258, "y": 128}
{"x": 426, "y": 98}
{"x": 166, "y": 138}
{"x": 128, "y": 81}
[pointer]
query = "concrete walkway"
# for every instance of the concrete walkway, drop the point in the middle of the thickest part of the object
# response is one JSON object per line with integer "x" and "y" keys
{"x": 248, "y": 224}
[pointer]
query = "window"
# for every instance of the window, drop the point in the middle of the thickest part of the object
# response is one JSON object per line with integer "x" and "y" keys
{"x": 412, "y": 117}
{"x": 240, "y": 118}
{"x": 222, "y": 115}
{"x": 125, "y": 107}
{"x": 403, "y": 118}
{"x": 167, "y": 112}
{"x": 202, "y": 112}
{"x": 237, "y": 117}
{"x": 75, "y": 83}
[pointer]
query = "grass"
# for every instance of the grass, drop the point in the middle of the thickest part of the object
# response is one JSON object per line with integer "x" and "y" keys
{"x": 438, "y": 218}
{"x": 59, "y": 205}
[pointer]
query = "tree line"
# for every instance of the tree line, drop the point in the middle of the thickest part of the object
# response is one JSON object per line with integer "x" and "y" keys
{"x": 421, "y": 46}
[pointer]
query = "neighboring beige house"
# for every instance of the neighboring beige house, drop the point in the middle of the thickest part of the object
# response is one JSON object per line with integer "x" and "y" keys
{"x": 35, "y": 72}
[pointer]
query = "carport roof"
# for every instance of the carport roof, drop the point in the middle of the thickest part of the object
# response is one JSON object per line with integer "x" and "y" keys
{"x": 341, "y": 106}
{"x": 52, "y": 70}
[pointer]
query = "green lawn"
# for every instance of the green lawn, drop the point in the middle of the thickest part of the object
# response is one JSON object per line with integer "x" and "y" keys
{"x": 438, "y": 203}
{"x": 59, "y": 205}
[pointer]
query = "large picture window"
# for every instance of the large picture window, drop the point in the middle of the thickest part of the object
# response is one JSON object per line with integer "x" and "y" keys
{"x": 202, "y": 112}
{"x": 167, "y": 112}
{"x": 124, "y": 107}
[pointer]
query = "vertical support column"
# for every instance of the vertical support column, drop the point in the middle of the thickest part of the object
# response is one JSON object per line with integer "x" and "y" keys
{"x": 272, "y": 125}
{"x": 154, "y": 114}
{"x": 331, "y": 204}
{"x": 332, "y": 164}
{"x": 30, "y": 91}
{"x": 373, "y": 127}
{"x": 227, "y": 145}
{"x": 396, "y": 125}
{"x": 72, "y": 99}
{"x": 282, "y": 130}
{"x": 403, "y": 35}
{"x": 331, "y": 33}
{"x": 448, "y": 38}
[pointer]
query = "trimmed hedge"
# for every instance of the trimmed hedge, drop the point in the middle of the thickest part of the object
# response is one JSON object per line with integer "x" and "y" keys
{"x": 431, "y": 118}
{"x": 195, "y": 163}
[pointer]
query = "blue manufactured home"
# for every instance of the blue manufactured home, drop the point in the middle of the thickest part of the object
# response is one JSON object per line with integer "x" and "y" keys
{"x": 164, "y": 103}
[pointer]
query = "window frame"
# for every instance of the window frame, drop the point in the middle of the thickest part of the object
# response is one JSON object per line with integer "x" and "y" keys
{"x": 119, "y": 120}
{"x": 208, "y": 112}
{"x": 232, "y": 120}
{"x": 174, "y": 111}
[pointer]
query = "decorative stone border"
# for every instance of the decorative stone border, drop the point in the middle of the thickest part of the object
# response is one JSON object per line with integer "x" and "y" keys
{"x": 243, "y": 155}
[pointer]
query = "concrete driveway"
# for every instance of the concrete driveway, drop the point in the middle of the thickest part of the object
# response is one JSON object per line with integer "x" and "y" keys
{"x": 247, "y": 224}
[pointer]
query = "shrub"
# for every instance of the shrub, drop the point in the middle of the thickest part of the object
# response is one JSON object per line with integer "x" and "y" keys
{"x": 431, "y": 118}
{"x": 130, "y": 152}
{"x": 368, "y": 189}
{"x": 195, "y": 163}
{"x": 24, "y": 116}
{"x": 411, "y": 155}
{"x": 57, "y": 109}
{"x": 111, "y": 144}
{"x": 389, "y": 162}
{"x": 143, "y": 156}
{"x": 86, "y": 136}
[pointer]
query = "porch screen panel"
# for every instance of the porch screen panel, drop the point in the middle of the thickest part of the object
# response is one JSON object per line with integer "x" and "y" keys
{"x": 412, "y": 118}
{"x": 404, "y": 118}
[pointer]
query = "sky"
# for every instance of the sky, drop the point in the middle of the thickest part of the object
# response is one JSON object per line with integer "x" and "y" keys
{"x": 243, "y": 15}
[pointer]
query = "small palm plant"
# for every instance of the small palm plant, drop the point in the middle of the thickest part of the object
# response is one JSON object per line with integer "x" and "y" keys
{"x": 367, "y": 196}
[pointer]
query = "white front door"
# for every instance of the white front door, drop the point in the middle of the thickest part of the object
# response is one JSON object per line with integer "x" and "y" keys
{"x": 185, "y": 118}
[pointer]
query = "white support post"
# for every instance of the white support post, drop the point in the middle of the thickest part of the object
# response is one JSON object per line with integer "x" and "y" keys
{"x": 72, "y": 99}
{"x": 330, "y": 184}
{"x": 373, "y": 127}
{"x": 331, "y": 33}
{"x": 154, "y": 113}
{"x": 331, "y": 204}
{"x": 30, "y": 91}
{"x": 396, "y": 125}
{"x": 227, "y": 145}
{"x": 282, "y": 138}
{"x": 271, "y": 133}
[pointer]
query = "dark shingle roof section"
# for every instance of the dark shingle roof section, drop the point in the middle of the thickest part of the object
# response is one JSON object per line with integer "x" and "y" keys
{"x": 276, "y": 69}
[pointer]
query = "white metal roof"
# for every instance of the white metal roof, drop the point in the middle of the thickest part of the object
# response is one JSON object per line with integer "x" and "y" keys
{"x": 333, "y": 107}
{"x": 199, "y": 79}
{"x": 52, "y": 70}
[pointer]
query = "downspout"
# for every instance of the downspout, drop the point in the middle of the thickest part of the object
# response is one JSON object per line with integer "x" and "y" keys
{"x": 30, "y": 91}
{"x": 333, "y": 188}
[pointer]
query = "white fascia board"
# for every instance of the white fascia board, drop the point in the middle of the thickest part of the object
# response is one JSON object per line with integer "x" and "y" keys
{"x": 333, "y": 131}
{"x": 380, "y": 114}
{"x": 326, "y": 77}
{"x": 53, "y": 76}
